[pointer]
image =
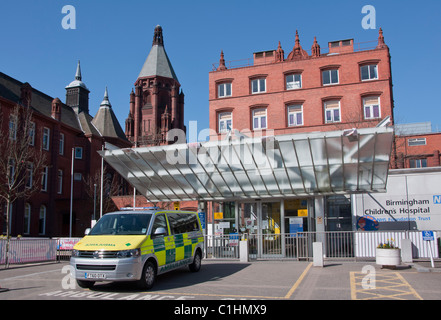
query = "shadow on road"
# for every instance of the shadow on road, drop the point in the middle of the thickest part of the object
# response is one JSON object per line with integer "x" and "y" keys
{"x": 179, "y": 278}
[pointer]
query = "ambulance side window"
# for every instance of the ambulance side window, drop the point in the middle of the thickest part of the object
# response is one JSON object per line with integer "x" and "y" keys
{"x": 160, "y": 222}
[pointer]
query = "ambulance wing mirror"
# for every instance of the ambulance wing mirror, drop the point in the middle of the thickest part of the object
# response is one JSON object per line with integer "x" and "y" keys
{"x": 86, "y": 232}
{"x": 160, "y": 232}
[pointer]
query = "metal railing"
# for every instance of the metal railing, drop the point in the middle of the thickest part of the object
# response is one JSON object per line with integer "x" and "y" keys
{"x": 23, "y": 251}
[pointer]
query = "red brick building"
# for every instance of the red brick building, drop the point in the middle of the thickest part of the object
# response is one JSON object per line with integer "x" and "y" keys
{"x": 157, "y": 104}
{"x": 60, "y": 130}
{"x": 345, "y": 87}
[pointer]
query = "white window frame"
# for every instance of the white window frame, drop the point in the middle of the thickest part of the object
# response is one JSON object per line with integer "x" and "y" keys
{"x": 294, "y": 110}
{"x": 294, "y": 84}
{"x": 46, "y": 138}
{"x": 224, "y": 90}
{"x": 330, "y": 77}
{"x": 326, "y": 108}
{"x": 44, "y": 178}
{"x": 60, "y": 181}
{"x": 418, "y": 163}
{"x": 223, "y": 121}
{"x": 12, "y": 127}
{"x": 78, "y": 153}
{"x": 29, "y": 177}
{"x": 369, "y": 66}
{"x": 61, "y": 145}
{"x": 370, "y": 107}
{"x": 259, "y": 118}
{"x": 413, "y": 142}
{"x": 258, "y": 85}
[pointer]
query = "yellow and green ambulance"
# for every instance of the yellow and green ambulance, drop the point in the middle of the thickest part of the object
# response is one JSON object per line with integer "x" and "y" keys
{"x": 138, "y": 245}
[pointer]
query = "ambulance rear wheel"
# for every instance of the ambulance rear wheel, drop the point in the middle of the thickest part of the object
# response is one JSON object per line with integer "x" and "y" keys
{"x": 148, "y": 276}
{"x": 197, "y": 261}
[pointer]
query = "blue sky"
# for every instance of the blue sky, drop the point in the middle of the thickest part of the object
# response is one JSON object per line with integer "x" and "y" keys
{"x": 113, "y": 38}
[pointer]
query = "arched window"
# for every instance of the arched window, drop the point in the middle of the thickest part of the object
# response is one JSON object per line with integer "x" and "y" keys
{"x": 27, "y": 219}
{"x": 42, "y": 220}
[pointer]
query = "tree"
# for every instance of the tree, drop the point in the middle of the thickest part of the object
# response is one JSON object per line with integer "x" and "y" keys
{"x": 21, "y": 163}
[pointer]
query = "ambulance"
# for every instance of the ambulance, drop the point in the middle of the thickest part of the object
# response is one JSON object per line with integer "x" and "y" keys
{"x": 137, "y": 245}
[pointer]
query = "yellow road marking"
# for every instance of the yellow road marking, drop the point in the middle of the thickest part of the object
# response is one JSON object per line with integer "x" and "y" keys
{"x": 387, "y": 286}
{"x": 299, "y": 280}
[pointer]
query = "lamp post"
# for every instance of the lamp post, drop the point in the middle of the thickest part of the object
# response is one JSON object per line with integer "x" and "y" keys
{"x": 71, "y": 192}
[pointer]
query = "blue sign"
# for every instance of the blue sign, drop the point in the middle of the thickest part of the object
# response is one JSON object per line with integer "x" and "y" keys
{"x": 367, "y": 223}
{"x": 428, "y": 235}
{"x": 202, "y": 218}
{"x": 437, "y": 199}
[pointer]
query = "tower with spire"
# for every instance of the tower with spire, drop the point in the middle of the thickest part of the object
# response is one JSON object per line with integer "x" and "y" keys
{"x": 77, "y": 94}
{"x": 157, "y": 102}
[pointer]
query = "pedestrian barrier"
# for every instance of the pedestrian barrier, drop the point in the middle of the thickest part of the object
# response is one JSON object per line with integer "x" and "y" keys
{"x": 287, "y": 246}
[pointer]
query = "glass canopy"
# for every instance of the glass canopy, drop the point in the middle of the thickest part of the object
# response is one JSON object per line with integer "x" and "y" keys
{"x": 323, "y": 163}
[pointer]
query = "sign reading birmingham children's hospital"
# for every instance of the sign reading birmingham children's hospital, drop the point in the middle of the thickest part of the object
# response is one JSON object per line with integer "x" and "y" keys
{"x": 412, "y": 201}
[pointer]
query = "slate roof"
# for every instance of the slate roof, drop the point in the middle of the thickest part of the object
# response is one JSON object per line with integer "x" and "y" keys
{"x": 158, "y": 64}
{"x": 10, "y": 89}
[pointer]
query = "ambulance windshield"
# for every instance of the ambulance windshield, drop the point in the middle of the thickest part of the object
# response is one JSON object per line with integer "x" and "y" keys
{"x": 122, "y": 224}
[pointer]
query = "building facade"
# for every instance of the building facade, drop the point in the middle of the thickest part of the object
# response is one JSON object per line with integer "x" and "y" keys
{"x": 347, "y": 87}
{"x": 69, "y": 136}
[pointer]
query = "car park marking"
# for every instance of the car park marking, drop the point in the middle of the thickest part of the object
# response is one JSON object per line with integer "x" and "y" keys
{"x": 387, "y": 286}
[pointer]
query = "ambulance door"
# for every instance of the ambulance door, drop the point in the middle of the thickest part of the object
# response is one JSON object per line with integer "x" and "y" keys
{"x": 160, "y": 242}
{"x": 169, "y": 241}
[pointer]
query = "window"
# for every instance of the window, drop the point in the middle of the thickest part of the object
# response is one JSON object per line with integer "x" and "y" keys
{"x": 77, "y": 176}
{"x": 12, "y": 127}
{"x": 371, "y": 107}
{"x": 29, "y": 170}
{"x": 293, "y": 81}
{"x": 330, "y": 77}
{"x": 44, "y": 179}
{"x": 225, "y": 122}
{"x": 32, "y": 134}
{"x": 182, "y": 223}
{"x": 259, "y": 119}
{"x": 258, "y": 85}
{"x": 224, "y": 90}
{"x": 369, "y": 72}
{"x": 418, "y": 163}
{"x": 295, "y": 115}
{"x": 416, "y": 142}
{"x": 61, "y": 145}
{"x": 60, "y": 182}
{"x": 42, "y": 220}
{"x": 332, "y": 111}
{"x": 78, "y": 152}
{"x": 46, "y": 134}
{"x": 160, "y": 222}
{"x": 11, "y": 171}
{"x": 27, "y": 219}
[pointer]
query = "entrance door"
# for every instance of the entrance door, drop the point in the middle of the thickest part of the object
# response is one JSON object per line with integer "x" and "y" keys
{"x": 261, "y": 222}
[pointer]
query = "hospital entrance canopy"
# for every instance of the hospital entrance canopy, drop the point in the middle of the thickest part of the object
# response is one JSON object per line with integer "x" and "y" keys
{"x": 282, "y": 166}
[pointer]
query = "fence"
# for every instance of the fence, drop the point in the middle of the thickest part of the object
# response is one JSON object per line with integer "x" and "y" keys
{"x": 337, "y": 245}
{"x": 289, "y": 246}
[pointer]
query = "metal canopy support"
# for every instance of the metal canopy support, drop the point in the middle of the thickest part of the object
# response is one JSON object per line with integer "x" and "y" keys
{"x": 295, "y": 165}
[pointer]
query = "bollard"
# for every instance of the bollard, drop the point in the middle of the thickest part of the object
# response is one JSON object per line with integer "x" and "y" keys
{"x": 406, "y": 251}
{"x": 317, "y": 253}
{"x": 243, "y": 251}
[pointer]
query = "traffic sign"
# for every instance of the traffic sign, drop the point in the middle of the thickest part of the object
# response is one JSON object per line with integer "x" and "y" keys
{"x": 428, "y": 235}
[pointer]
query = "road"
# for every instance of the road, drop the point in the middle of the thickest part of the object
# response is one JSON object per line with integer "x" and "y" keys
{"x": 228, "y": 280}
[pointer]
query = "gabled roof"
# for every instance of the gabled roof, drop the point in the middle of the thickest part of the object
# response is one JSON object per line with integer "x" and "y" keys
{"x": 157, "y": 62}
{"x": 106, "y": 122}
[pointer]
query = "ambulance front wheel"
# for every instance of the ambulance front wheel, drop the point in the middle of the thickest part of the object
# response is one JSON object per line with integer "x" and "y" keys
{"x": 148, "y": 276}
{"x": 197, "y": 261}
{"x": 85, "y": 284}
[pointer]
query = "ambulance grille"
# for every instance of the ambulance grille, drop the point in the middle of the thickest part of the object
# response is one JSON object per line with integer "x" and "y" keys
{"x": 99, "y": 254}
{"x": 96, "y": 267}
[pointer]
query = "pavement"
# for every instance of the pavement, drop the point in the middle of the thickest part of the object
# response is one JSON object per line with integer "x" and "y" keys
{"x": 222, "y": 280}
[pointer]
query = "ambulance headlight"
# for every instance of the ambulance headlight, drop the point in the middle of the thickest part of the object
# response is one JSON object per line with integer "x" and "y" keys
{"x": 75, "y": 253}
{"x": 129, "y": 253}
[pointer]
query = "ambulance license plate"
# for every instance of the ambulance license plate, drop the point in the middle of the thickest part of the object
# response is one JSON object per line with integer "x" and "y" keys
{"x": 95, "y": 275}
